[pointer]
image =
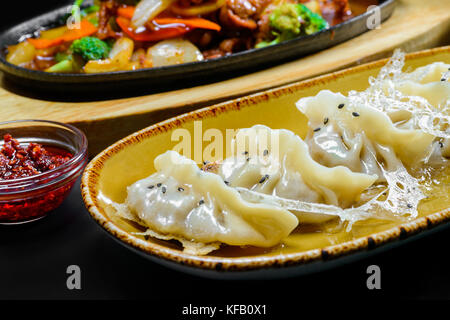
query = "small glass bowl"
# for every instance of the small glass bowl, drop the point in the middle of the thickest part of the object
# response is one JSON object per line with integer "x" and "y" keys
{"x": 31, "y": 198}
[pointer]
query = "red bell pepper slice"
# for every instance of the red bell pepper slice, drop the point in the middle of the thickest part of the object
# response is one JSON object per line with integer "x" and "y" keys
{"x": 200, "y": 23}
{"x": 150, "y": 35}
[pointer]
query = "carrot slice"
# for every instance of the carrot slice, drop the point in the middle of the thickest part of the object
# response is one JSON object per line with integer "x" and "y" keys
{"x": 45, "y": 43}
{"x": 86, "y": 29}
{"x": 197, "y": 23}
{"x": 126, "y": 12}
{"x": 148, "y": 35}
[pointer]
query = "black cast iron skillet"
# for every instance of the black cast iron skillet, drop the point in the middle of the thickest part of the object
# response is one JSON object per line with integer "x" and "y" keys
{"x": 185, "y": 75}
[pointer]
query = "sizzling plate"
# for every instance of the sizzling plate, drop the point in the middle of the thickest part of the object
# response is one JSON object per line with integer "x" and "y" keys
{"x": 212, "y": 70}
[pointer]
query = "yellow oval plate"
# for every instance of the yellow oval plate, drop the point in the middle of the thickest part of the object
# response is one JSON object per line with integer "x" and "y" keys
{"x": 130, "y": 159}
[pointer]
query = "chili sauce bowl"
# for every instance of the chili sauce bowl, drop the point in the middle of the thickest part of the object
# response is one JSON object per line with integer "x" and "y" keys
{"x": 32, "y": 197}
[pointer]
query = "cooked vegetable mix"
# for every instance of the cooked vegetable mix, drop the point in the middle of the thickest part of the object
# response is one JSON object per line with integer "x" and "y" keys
{"x": 116, "y": 35}
{"x": 289, "y": 20}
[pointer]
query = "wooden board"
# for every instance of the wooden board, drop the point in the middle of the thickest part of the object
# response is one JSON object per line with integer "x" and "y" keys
{"x": 415, "y": 25}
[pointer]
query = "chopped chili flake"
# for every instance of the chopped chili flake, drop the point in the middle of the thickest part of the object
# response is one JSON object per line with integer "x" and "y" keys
{"x": 18, "y": 161}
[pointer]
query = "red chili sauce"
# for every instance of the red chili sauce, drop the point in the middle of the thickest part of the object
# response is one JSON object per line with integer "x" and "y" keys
{"x": 18, "y": 161}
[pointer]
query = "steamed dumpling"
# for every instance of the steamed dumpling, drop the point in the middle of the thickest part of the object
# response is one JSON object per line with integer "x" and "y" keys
{"x": 430, "y": 73}
{"x": 436, "y": 93}
{"x": 426, "y": 85}
{"x": 428, "y": 90}
{"x": 359, "y": 137}
{"x": 278, "y": 162}
{"x": 182, "y": 202}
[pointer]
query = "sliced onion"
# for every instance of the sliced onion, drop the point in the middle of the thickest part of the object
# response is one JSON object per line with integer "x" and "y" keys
{"x": 173, "y": 51}
{"x": 119, "y": 58}
{"x": 23, "y": 52}
{"x": 123, "y": 46}
{"x": 146, "y": 10}
{"x": 198, "y": 10}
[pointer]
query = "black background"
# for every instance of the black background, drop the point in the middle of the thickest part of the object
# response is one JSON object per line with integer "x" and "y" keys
{"x": 34, "y": 258}
{"x": 19, "y": 11}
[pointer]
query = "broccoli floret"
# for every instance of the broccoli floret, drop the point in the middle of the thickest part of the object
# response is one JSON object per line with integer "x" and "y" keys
{"x": 286, "y": 19}
{"x": 313, "y": 21}
{"x": 90, "y": 48}
{"x": 290, "y": 20}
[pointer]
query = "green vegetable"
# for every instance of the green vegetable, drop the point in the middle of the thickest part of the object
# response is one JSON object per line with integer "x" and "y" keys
{"x": 61, "y": 56}
{"x": 78, "y": 3}
{"x": 314, "y": 21}
{"x": 130, "y": 2}
{"x": 94, "y": 21}
{"x": 76, "y": 7}
{"x": 90, "y": 48}
{"x": 289, "y": 21}
{"x": 83, "y": 13}
{"x": 89, "y": 10}
{"x": 66, "y": 63}
{"x": 61, "y": 67}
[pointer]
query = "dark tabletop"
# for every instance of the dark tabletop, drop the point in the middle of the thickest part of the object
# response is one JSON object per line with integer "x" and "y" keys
{"x": 34, "y": 258}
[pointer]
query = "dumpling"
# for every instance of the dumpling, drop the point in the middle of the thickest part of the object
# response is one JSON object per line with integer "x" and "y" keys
{"x": 436, "y": 93}
{"x": 182, "y": 202}
{"x": 360, "y": 137}
{"x": 430, "y": 73}
{"x": 425, "y": 89}
{"x": 278, "y": 162}
{"x": 426, "y": 94}
{"x": 432, "y": 114}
